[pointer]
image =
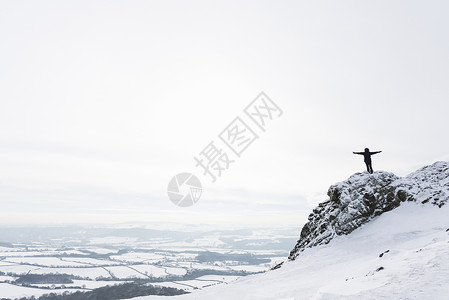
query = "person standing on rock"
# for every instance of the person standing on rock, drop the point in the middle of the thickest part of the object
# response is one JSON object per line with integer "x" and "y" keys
{"x": 367, "y": 155}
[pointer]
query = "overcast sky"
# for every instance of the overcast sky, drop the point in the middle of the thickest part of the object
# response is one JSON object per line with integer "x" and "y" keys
{"x": 103, "y": 102}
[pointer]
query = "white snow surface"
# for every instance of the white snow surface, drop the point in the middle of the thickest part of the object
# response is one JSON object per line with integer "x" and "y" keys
{"x": 416, "y": 265}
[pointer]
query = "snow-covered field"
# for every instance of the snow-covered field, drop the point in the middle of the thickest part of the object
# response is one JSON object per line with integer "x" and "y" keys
{"x": 33, "y": 268}
{"x": 402, "y": 254}
{"x": 138, "y": 257}
{"x": 91, "y": 272}
{"x": 45, "y": 261}
{"x": 14, "y": 291}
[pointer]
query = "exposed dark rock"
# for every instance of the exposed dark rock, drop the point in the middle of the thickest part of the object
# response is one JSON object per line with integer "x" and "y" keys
{"x": 277, "y": 266}
{"x": 382, "y": 254}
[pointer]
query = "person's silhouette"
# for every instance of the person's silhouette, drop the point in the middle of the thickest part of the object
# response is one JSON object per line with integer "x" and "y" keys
{"x": 367, "y": 160}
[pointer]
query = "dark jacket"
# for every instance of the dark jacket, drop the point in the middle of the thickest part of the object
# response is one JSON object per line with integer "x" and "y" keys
{"x": 367, "y": 155}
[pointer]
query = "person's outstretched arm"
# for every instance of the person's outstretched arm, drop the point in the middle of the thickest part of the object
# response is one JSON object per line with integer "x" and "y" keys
{"x": 375, "y": 152}
{"x": 361, "y": 153}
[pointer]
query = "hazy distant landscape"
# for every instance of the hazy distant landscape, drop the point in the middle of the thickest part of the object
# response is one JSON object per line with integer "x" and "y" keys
{"x": 41, "y": 260}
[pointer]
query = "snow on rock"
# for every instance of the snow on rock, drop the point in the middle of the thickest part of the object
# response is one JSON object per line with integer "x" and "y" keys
{"x": 364, "y": 196}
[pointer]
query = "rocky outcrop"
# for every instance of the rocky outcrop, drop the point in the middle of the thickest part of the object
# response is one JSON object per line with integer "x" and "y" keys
{"x": 364, "y": 196}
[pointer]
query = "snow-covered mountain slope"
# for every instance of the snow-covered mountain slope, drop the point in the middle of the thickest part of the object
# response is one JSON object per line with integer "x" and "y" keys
{"x": 375, "y": 251}
{"x": 365, "y": 196}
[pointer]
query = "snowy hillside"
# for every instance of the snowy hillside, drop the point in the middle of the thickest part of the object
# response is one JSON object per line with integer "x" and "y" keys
{"x": 365, "y": 196}
{"x": 388, "y": 239}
